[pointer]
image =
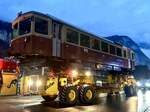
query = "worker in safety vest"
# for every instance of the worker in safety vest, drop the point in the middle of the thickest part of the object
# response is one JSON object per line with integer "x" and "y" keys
{"x": 1, "y": 81}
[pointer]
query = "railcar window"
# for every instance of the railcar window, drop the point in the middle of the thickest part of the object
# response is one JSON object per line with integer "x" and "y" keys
{"x": 112, "y": 50}
{"x": 15, "y": 30}
{"x": 84, "y": 40}
{"x": 133, "y": 56}
{"x": 125, "y": 53}
{"x": 104, "y": 46}
{"x": 41, "y": 26}
{"x": 119, "y": 52}
{"x": 72, "y": 36}
{"x": 95, "y": 44}
{"x": 129, "y": 54}
{"x": 25, "y": 26}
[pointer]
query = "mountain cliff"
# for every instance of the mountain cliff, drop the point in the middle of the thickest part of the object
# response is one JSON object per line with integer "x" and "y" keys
{"x": 141, "y": 58}
{"x": 5, "y": 35}
{"x": 5, "y": 30}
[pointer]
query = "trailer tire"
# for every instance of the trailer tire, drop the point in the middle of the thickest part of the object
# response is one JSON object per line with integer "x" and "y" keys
{"x": 49, "y": 98}
{"x": 129, "y": 91}
{"x": 87, "y": 94}
{"x": 134, "y": 90}
{"x": 68, "y": 95}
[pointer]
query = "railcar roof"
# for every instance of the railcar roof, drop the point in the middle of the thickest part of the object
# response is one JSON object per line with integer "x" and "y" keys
{"x": 70, "y": 25}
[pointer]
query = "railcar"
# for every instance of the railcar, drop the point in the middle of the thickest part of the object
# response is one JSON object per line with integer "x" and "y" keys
{"x": 45, "y": 44}
{"x": 40, "y": 34}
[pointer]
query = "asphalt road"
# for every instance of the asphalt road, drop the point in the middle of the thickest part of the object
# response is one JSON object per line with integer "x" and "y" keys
{"x": 103, "y": 104}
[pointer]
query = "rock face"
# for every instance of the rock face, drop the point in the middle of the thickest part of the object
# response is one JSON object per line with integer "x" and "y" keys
{"x": 5, "y": 36}
{"x": 5, "y": 30}
{"x": 3, "y": 48}
{"x": 141, "y": 58}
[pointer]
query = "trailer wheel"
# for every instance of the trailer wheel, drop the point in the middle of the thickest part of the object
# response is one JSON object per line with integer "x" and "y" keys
{"x": 87, "y": 94}
{"x": 68, "y": 95}
{"x": 129, "y": 91}
{"x": 49, "y": 98}
{"x": 134, "y": 90}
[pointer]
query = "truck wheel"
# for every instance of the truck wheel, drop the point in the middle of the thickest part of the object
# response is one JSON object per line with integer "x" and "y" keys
{"x": 68, "y": 95}
{"x": 87, "y": 94}
{"x": 49, "y": 98}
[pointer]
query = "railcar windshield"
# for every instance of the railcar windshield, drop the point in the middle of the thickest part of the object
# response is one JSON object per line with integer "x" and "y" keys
{"x": 21, "y": 28}
{"x": 25, "y": 26}
{"x": 15, "y": 30}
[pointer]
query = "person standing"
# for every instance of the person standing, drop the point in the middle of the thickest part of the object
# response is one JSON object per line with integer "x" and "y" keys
{"x": 1, "y": 81}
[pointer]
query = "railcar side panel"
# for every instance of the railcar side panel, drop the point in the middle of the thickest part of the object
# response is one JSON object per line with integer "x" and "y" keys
{"x": 31, "y": 45}
{"x": 87, "y": 55}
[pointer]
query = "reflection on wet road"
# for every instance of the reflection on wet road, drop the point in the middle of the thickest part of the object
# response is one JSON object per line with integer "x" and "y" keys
{"x": 112, "y": 103}
{"x": 131, "y": 105}
{"x": 143, "y": 101}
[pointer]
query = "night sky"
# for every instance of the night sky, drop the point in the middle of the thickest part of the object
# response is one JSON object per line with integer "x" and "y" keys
{"x": 102, "y": 17}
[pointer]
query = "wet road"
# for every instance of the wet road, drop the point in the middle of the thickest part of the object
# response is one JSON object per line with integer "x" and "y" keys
{"x": 115, "y": 103}
{"x": 143, "y": 101}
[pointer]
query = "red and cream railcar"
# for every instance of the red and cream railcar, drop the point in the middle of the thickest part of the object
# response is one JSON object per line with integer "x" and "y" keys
{"x": 37, "y": 34}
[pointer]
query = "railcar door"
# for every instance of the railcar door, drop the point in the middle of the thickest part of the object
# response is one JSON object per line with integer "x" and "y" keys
{"x": 56, "y": 39}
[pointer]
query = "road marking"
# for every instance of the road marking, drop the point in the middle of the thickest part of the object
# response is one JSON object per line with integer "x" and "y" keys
{"x": 22, "y": 106}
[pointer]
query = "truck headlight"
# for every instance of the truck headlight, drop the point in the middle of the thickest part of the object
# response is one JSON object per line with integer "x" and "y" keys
{"x": 30, "y": 82}
{"x": 138, "y": 84}
{"x": 39, "y": 83}
{"x": 99, "y": 83}
{"x": 74, "y": 73}
{"x": 147, "y": 84}
{"x": 88, "y": 73}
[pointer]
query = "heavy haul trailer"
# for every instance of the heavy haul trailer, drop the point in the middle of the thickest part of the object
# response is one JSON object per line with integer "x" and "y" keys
{"x": 70, "y": 61}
